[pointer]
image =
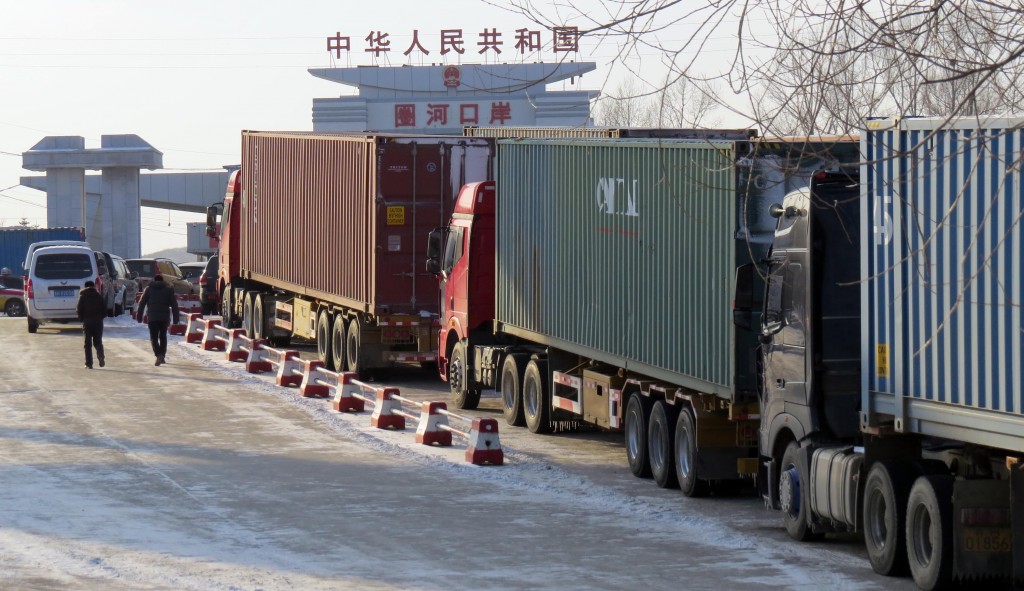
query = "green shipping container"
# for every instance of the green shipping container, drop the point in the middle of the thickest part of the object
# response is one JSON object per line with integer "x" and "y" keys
{"x": 626, "y": 251}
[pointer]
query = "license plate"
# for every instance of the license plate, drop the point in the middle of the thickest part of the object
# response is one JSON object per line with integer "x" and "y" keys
{"x": 981, "y": 539}
{"x": 63, "y": 293}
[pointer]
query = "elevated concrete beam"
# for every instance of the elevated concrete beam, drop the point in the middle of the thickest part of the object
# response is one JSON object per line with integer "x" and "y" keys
{"x": 192, "y": 191}
{"x": 60, "y": 152}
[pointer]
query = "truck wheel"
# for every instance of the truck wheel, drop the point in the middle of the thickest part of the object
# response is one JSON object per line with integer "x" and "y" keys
{"x": 247, "y": 314}
{"x": 885, "y": 512}
{"x": 227, "y": 312}
{"x": 259, "y": 321}
{"x": 661, "y": 444}
{"x": 323, "y": 339}
{"x": 792, "y": 493}
{"x": 458, "y": 379}
{"x": 638, "y": 409}
{"x": 930, "y": 532}
{"x": 536, "y": 400}
{"x": 337, "y": 344}
{"x": 33, "y": 324}
{"x": 353, "y": 349}
{"x": 686, "y": 456}
{"x": 512, "y": 390}
{"x": 14, "y": 307}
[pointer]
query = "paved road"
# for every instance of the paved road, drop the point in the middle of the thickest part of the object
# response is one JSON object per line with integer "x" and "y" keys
{"x": 195, "y": 475}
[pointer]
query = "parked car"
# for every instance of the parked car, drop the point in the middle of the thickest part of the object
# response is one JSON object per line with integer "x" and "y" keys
{"x": 12, "y": 297}
{"x": 55, "y": 276}
{"x": 192, "y": 271}
{"x": 208, "y": 295}
{"x": 125, "y": 285}
{"x": 145, "y": 269}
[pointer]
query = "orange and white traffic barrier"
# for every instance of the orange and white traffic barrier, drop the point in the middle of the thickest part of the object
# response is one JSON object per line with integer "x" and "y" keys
{"x": 215, "y": 336}
{"x": 195, "y": 328}
{"x": 483, "y": 444}
{"x": 261, "y": 358}
{"x": 187, "y": 305}
{"x": 387, "y": 410}
{"x": 317, "y": 380}
{"x": 239, "y": 345}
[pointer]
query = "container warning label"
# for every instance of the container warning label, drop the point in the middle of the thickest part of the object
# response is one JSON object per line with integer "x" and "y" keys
{"x": 882, "y": 361}
{"x": 396, "y": 215}
{"x": 394, "y": 243}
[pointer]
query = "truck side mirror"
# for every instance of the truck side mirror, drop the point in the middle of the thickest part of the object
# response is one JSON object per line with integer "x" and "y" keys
{"x": 435, "y": 241}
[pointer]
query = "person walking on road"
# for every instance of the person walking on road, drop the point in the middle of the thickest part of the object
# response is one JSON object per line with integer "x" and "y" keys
{"x": 163, "y": 306}
{"x": 92, "y": 309}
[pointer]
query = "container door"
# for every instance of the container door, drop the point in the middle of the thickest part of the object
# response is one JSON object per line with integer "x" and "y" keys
{"x": 411, "y": 203}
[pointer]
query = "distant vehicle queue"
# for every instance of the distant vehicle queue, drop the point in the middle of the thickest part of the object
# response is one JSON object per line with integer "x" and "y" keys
{"x": 55, "y": 263}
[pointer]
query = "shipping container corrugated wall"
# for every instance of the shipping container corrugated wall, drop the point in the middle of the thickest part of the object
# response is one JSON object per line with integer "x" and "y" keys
{"x": 345, "y": 217}
{"x": 941, "y": 212}
{"x": 607, "y": 132}
{"x": 14, "y": 243}
{"x": 623, "y": 251}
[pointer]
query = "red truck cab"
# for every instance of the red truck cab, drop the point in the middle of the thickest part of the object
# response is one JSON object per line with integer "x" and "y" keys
{"x": 228, "y": 236}
{"x": 462, "y": 256}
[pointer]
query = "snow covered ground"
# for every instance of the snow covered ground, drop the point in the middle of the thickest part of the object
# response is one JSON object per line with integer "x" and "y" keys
{"x": 198, "y": 475}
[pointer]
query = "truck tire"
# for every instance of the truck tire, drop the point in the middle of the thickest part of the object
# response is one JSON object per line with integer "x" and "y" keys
{"x": 33, "y": 325}
{"x": 930, "y": 532}
{"x": 661, "y": 444}
{"x": 793, "y": 494}
{"x": 353, "y": 346}
{"x": 686, "y": 456}
{"x": 259, "y": 320}
{"x": 458, "y": 380}
{"x": 227, "y": 310}
{"x": 323, "y": 339}
{"x": 338, "y": 346}
{"x": 247, "y": 325}
{"x": 638, "y": 409}
{"x": 536, "y": 399}
{"x": 512, "y": 390}
{"x": 884, "y": 517}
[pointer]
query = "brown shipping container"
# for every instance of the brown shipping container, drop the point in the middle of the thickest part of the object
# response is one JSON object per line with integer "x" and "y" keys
{"x": 344, "y": 217}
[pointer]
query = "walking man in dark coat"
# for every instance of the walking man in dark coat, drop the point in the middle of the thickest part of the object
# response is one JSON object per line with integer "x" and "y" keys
{"x": 162, "y": 305}
{"x": 92, "y": 309}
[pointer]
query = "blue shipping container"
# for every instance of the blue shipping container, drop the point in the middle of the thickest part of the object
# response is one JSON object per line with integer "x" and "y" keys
{"x": 941, "y": 219}
{"x": 14, "y": 243}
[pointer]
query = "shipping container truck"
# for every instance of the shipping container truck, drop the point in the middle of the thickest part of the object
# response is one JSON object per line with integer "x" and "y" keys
{"x": 612, "y": 283}
{"x": 14, "y": 244}
{"x": 322, "y": 238}
{"x": 894, "y": 347}
{"x": 862, "y": 323}
{"x": 506, "y": 132}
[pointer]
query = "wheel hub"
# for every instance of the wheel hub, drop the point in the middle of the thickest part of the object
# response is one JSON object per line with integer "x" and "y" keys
{"x": 789, "y": 491}
{"x": 455, "y": 375}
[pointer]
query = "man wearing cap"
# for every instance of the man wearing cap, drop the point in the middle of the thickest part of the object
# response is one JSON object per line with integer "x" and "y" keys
{"x": 159, "y": 299}
{"x": 92, "y": 309}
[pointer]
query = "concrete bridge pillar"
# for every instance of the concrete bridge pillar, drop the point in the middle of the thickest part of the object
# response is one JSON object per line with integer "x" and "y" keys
{"x": 111, "y": 217}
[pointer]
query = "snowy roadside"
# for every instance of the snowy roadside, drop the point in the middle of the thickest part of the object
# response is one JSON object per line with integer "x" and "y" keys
{"x": 522, "y": 472}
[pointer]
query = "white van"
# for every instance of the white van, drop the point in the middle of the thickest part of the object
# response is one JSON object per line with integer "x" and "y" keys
{"x": 55, "y": 276}
{"x": 43, "y": 244}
